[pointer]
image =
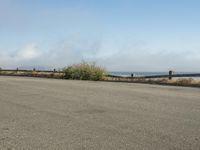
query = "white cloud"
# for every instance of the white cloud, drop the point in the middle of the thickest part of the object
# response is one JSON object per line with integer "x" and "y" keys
{"x": 28, "y": 52}
{"x": 134, "y": 57}
{"x": 26, "y": 55}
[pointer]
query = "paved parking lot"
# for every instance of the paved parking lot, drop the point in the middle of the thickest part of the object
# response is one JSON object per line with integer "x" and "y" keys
{"x": 85, "y": 115}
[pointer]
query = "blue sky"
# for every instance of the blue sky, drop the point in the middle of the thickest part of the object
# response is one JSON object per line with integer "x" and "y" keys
{"x": 121, "y": 35}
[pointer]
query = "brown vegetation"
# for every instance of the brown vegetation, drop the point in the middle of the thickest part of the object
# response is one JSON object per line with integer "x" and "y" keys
{"x": 88, "y": 72}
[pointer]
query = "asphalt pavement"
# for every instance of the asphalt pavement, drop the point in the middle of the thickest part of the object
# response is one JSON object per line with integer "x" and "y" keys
{"x": 51, "y": 114}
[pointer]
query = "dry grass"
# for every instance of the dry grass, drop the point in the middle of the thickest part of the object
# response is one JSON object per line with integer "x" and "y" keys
{"x": 174, "y": 81}
{"x": 59, "y": 75}
{"x": 33, "y": 74}
{"x": 84, "y": 71}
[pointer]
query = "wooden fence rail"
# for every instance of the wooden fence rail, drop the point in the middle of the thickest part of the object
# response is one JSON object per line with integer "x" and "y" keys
{"x": 21, "y": 70}
{"x": 174, "y": 75}
{"x": 161, "y": 76}
{"x": 170, "y": 75}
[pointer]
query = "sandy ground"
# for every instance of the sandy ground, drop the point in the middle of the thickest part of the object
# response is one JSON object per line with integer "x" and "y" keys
{"x": 83, "y": 115}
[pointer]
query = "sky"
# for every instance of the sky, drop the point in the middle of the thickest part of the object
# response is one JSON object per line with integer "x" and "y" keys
{"x": 119, "y": 35}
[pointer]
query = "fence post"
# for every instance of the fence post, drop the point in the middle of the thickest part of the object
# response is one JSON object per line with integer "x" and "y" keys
{"x": 170, "y": 74}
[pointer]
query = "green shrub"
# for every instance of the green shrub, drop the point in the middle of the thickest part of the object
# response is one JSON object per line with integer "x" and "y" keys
{"x": 84, "y": 71}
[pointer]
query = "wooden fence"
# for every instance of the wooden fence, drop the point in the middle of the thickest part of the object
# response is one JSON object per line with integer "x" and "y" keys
{"x": 21, "y": 70}
{"x": 170, "y": 75}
